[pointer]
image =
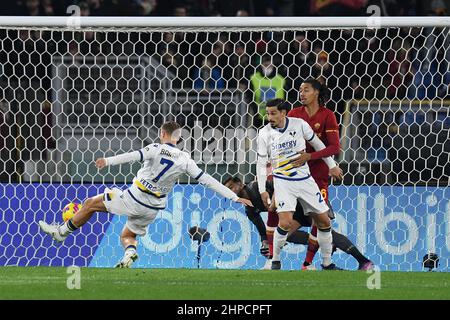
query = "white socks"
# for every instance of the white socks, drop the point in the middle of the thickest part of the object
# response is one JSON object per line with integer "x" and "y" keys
{"x": 130, "y": 250}
{"x": 67, "y": 227}
{"x": 325, "y": 240}
{"x": 279, "y": 240}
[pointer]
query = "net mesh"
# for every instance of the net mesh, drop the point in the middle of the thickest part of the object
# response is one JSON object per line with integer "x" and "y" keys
{"x": 68, "y": 97}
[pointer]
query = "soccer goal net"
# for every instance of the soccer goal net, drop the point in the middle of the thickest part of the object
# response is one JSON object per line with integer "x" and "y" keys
{"x": 74, "y": 89}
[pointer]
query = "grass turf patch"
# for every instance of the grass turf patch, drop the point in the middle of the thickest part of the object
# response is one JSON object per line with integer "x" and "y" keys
{"x": 191, "y": 284}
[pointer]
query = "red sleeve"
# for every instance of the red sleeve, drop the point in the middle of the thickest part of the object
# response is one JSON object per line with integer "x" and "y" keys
{"x": 294, "y": 113}
{"x": 333, "y": 146}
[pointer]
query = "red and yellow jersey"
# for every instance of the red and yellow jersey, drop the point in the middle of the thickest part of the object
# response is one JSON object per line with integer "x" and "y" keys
{"x": 325, "y": 125}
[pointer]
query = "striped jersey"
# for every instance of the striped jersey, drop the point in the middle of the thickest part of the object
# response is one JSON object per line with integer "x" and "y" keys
{"x": 282, "y": 145}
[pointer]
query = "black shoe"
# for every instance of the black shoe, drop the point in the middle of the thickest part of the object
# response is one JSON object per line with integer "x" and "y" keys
{"x": 331, "y": 267}
{"x": 276, "y": 265}
{"x": 264, "y": 250}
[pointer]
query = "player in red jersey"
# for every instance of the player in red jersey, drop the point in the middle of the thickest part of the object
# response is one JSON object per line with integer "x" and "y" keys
{"x": 323, "y": 122}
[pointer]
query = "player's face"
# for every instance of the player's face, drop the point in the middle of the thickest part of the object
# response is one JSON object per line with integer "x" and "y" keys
{"x": 236, "y": 187}
{"x": 162, "y": 134}
{"x": 308, "y": 94}
{"x": 275, "y": 117}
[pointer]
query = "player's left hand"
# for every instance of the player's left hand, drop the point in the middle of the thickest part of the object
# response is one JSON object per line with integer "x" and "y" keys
{"x": 299, "y": 161}
{"x": 100, "y": 163}
{"x": 245, "y": 202}
{"x": 336, "y": 173}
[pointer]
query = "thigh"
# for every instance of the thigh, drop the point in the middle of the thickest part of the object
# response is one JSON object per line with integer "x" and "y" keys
{"x": 299, "y": 216}
{"x": 285, "y": 195}
{"x": 321, "y": 220}
{"x": 323, "y": 187}
{"x": 115, "y": 202}
{"x": 311, "y": 198}
{"x": 138, "y": 223}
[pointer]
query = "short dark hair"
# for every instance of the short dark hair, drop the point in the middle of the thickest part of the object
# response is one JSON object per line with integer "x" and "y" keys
{"x": 232, "y": 179}
{"x": 279, "y": 103}
{"x": 321, "y": 87}
{"x": 170, "y": 127}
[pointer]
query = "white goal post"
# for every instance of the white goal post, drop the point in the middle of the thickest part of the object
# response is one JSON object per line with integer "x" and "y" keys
{"x": 76, "y": 88}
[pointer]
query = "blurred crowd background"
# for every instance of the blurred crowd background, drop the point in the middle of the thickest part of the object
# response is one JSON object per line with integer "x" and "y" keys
{"x": 197, "y": 76}
{"x": 225, "y": 7}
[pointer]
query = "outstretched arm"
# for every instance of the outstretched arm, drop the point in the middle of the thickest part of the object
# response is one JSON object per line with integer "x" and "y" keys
{"x": 139, "y": 155}
{"x": 215, "y": 185}
{"x": 119, "y": 159}
{"x": 195, "y": 172}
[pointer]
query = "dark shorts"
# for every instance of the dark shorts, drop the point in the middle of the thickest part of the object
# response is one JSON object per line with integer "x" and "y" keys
{"x": 306, "y": 221}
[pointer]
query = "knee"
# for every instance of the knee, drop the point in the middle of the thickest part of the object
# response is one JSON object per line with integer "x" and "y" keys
{"x": 127, "y": 234}
{"x": 285, "y": 224}
{"x": 323, "y": 222}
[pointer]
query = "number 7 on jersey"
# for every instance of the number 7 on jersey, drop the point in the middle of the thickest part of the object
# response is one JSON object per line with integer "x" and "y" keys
{"x": 168, "y": 163}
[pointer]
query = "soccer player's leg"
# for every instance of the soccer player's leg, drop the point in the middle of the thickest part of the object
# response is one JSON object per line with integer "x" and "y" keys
{"x": 325, "y": 239}
{"x": 301, "y": 237}
{"x": 136, "y": 226}
{"x": 295, "y": 235}
{"x": 138, "y": 219}
{"x": 280, "y": 236}
{"x": 286, "y": 200}
{"x": 129, "y": 243}
{"x": 272, "y": 220}
{"x": 314, "y": 204}
{"x": 272, "y": 223}
{"x": 312, "y": 243}
{"x": 313, "y": 247}
{"x": 60, "y": 232}
{"x": 343, "y": 243}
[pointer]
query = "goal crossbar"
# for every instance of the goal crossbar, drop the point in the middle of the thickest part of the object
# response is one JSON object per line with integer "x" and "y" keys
{"x": 225, "y": 22}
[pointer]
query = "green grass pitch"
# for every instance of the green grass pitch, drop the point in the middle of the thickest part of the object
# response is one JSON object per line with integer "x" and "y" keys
{"x": 188, "y": 284}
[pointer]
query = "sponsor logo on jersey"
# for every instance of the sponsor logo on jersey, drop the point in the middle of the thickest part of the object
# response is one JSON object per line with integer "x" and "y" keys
{"x": 146, "y": 186}
{"x": 284, "y": 145}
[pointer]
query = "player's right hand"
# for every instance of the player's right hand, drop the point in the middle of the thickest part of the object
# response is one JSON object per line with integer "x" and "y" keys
{"x": 100, "y": 163}
{"x": 245, "y": 202}
{"x": 301, "y": 159}
{"x": 265, "y": 199}
{"x": 336, "y": 173}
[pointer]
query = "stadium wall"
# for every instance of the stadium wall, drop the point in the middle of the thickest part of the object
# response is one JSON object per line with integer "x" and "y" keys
{"x": 394, "y": 231}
